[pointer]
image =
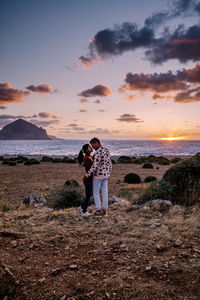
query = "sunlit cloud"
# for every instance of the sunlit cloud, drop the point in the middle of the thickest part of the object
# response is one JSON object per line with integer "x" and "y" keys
{"x": 43, "y": 88}
{"x": 82, "y": 110}
{"x": 97, "y": 90}
{"x": 83, "y": 100}
{"x": 8, "y": 94}
{"x": 130, "y": 97}
{"x": 97, "y": 101}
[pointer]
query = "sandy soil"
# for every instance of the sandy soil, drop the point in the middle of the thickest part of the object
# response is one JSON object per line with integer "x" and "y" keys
{"x": 61, "y": 255}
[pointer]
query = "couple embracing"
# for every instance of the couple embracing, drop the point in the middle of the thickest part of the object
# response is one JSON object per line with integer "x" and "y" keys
{"x": 98, "y": 169}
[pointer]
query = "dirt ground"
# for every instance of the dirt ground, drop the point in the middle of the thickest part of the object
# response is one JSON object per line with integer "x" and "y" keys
{"x": 130, "y": 254}
{"x": 17, "y": 181}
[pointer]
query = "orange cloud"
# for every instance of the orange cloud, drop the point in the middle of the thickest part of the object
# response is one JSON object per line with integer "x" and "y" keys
{"x": 8, "y": 94}
{"x": 83, "y": 110}
{"x": 83, "y": 100}
{"x": 130, "y": 97}
{"x": 43, "y": 88}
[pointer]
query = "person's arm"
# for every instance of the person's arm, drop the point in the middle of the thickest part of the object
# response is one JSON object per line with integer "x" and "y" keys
{"x": 94, "y": 166}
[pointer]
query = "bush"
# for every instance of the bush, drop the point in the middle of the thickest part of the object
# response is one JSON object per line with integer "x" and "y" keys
{"x": 161, "y": 160}
{"x": 147, "y": 166}
{"x": 57, "y": 160}
{"x": 132, "y": 178}
{"x": 67, "y": 196}
{"x": 1, "y": 158}
{"x": 5, "y": 161}
{"x": 31, "y": 161}
{"x": 151, "y": 158}
{"x": 71, "y": 182}
{"x": 47, "y": 159}
{"x": 140, "y": 160}
{"x": 12, "y": 163}
{"x": 184, "y": 177}
{"x": 175, "y": 160}
{"x": 68, "y": 160}
{"x": 180, "y": 184}
{"x": 124, "y": 159}
{"x": 150, "y": 179}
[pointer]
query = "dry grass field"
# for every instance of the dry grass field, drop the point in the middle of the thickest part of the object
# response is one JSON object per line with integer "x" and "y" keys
{"x": 130, "y": 254}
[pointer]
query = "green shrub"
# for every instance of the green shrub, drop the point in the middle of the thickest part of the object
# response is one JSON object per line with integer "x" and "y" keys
{"x": 140, "y": 160}
{"x": 150, "y": 179}
{"x": 65, "y": 197}
{"x": 147, "y": 166}
{"x": 185, "y": 179}
{"x": 5, "y": 161}
{"x": 132, "y": 178}
{"x": 57, "y": 160}
{"x": 47, "y": 159}
{"x": 161, "y": 160}
{"x": 1, "y": 158}
{"x": 113, "y": 162}
{"x": 175, "y": 160}
{"x": 71, "y": 182}
{"x": 31, "y": 161}
{"x": 12, "y": 163}
{"x": 5, "y": 207}
{"x": 124, "y": 160}
{"x": 151, "y": 158}
{"x": 68, "y": 160}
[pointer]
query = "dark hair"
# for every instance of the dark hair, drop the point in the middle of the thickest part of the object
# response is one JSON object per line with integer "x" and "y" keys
{"x": 80, "y": 156}
{"x": 94, "y": 140}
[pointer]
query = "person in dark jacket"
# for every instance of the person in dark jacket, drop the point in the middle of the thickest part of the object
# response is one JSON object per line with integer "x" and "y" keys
{"x": 86, "y": 160}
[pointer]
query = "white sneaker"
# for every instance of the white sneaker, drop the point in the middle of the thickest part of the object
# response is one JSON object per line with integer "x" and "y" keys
{"x": 80, "y": 209}
{"x": 86, "y": 214}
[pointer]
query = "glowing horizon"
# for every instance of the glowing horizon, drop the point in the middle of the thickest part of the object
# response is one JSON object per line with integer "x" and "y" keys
{"x": 173, "y": 138}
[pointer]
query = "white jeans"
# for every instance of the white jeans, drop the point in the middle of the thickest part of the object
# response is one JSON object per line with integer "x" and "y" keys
{"x": 100, "y": 184}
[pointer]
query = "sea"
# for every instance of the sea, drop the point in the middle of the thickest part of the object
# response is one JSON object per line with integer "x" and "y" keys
{"x": 60, "y": 148}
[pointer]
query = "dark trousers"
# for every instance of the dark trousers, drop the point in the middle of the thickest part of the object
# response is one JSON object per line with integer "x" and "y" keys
{"x": 88, "y": 194}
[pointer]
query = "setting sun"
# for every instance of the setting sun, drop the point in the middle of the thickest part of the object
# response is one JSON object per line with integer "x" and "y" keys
{"x": 173, "y": 138}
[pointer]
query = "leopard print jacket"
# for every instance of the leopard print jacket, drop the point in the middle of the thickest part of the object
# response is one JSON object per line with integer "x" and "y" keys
{"x": 102, "y": 165}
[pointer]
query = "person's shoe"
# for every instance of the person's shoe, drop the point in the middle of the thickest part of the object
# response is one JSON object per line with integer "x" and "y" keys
{"x": 86, "y": 214}
{"x": 98, "y": 213}
{"x": 80, "y": 209}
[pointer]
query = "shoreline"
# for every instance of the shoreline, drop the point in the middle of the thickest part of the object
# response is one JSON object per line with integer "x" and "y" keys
{"x": 115, "y": 157}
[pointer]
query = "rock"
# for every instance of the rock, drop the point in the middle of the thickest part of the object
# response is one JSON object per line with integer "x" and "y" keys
{"x": 135, "y": 206}
{"x": 144, "y": 209}
{"x": 116, "y": 200}
{"x": 73, "y": 267}
{"x": 148, "y": 268}
{"x": 34, "y": 200}
{"x": 8, "y": 282}
{"x": 160, "y": 205}
{"x": 56, "y": 271}
{"x": 14, "y": 244}
{"x": 160, "y": 247}
{"x": 178, "y": 243}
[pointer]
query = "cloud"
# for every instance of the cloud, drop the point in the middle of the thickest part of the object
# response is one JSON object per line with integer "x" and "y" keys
{"x": 99, "y": 131}
{"x": 43, "y": 88}
{"x": 97, "y": 101}
{"x": 121, "y": 38}
{"x": 101, "y": 110}
{"x": 187, "y": 97}
{"x": 83, "y": 100}
{"x": 129, "y": 118}
{"x": 45, "y": 123}
{"x": 97, "y": 90}
{"x": 115, "y": 41}
{"x": 82, "y": 110}
{"x": 162, "y": 82}
{"x": 183, "y": 45}
{"x": 44, "y": 115}
{"x": 130, "y": 97}
{"x": 8, "y": 94}
{"x": 87, "y": 61}
{"x": 3, "y": 107}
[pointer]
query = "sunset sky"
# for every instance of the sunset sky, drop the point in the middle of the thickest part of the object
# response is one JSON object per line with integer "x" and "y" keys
{"x": 115, "y": 69}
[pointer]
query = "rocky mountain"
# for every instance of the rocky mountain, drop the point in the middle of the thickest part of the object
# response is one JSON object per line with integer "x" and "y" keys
{"x": 23, "y": 130}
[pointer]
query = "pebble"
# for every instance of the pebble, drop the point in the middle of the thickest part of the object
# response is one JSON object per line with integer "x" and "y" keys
{"x": 73, "y": 267}
{"x": 160, "y": 247}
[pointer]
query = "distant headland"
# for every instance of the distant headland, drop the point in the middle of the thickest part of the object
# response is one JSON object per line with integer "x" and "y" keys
{"x": 23, "y": 130}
